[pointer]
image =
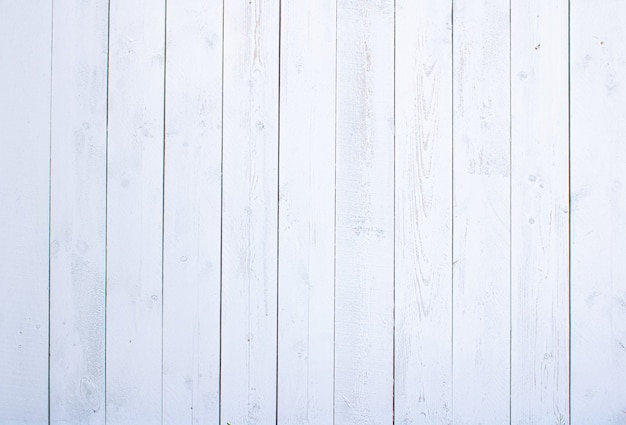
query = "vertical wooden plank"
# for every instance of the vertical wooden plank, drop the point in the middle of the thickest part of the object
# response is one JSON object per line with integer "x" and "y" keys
{"x": 423, "y": 231}
{"x": 365, "y": 213}
{"x": 135, "y": 206}
{"x": 539, "y": 213}
{"x": 481, "y": 283}
{"x": 249, "y": 208}
{"x": 598, "y": 197}
{"x": 193, "y": 159}
{"x": 307, "y": 213}
{"x": 78, "y": 208}
{"x": 25, "y": 49}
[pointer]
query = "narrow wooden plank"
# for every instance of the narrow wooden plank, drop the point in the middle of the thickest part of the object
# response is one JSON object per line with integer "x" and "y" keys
{"x": 25, "y": 49}
{"x": 598, "y": 197}
{"x": 481, "y": 291}
{"x": 249, "y": 208}
{"x": 423, "y": 241}
{"x": 307, "y": 213}
{"x": 78, "y": 206}
{"x": 134, "y": 219}
{"x": 191, "y": 262}
{"x": 539, "y": 213}
{"x": 364, "y": 217}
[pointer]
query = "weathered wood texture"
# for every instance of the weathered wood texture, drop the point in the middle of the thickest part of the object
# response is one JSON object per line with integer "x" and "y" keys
{"x": 250, "y": 212}
{"x": 364, "y": 217}
{"x": 78, "y": 219}
{"x": 135, "y": 212}
{"x": 539, "y": 213}
{"x": 423, "y": 211}
{"x": 325, "y": 212}
{"x": 598, "y": 182}
{"x": 192, "y": 213}
{"x": 481, "y": 208}
{"x": 306, "y": 213}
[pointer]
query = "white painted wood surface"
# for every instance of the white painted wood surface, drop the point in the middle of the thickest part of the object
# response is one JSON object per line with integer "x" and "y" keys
{"x": 25, "y": 61}
{"x": 364, "y": 258}
{"x": 330, "y": 212}
{"x": 78, "y": 204}
{"x": 598, "y": 181}
{"x": 250, "y": 212}
{"x": 135, "y": 212}
{"x": 539, "y": 213}
{"x": 192, "y": 213}
{"x": 306, "y": 213}
{"x": 481, "y": 208}
{"x": 423, "y": 199}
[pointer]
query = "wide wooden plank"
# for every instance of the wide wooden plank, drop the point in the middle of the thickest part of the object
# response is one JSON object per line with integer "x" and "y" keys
{"x": 364, "y": 217}
{"x": 598, "y": 197}
{"x": 481, "y": 291}
{"x": 423, "y": 199}
{"x": 191, "y": 262}
{"x": 78, "y": 205}
{"x": 539, "y": 213}
{"x": 134, "y": 216}
{"x": 307, "y": 213}
{"x": 249, "y": 208}
{"x": 25, "y": 52}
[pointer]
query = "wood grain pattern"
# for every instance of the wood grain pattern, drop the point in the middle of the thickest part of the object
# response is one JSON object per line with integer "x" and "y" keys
{"x": 539, "y": 213}
{"x": 423, "y": 187}
{"x": 286, "y": 212}
{"x": 598, "y": 179}
{"x": 78, "y": 205}
{"x": 25, "y": 51}
{"x": 307, "y": 213}
{"x": 192, "y": 222}
{"x": 135, "y": 207}
{"x": 250, "y": 215}
{"x": 364, "y": 218}
{"x": 481, "y": 292}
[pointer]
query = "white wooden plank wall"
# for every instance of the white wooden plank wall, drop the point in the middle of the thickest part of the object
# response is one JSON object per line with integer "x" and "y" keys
{"x": 250, "y": 212}
{"x": 539, "y": 213}
{"x": 134, "y": 331}
{"x": 598, "y": 203}
{"x": 192, "y": 213}
{"x": 25, "y": 52}
{"x": 423, "y": 200}
{"x": 364, "y": 217}
{"x": 307, "y": 213}
{"x": 481, "y": 208}
{"x": 326, "y": 212}
{"x": 78, "y": 222}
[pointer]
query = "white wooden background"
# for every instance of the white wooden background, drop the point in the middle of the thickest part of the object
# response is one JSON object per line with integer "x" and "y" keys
{"x": 312, "y": 212}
